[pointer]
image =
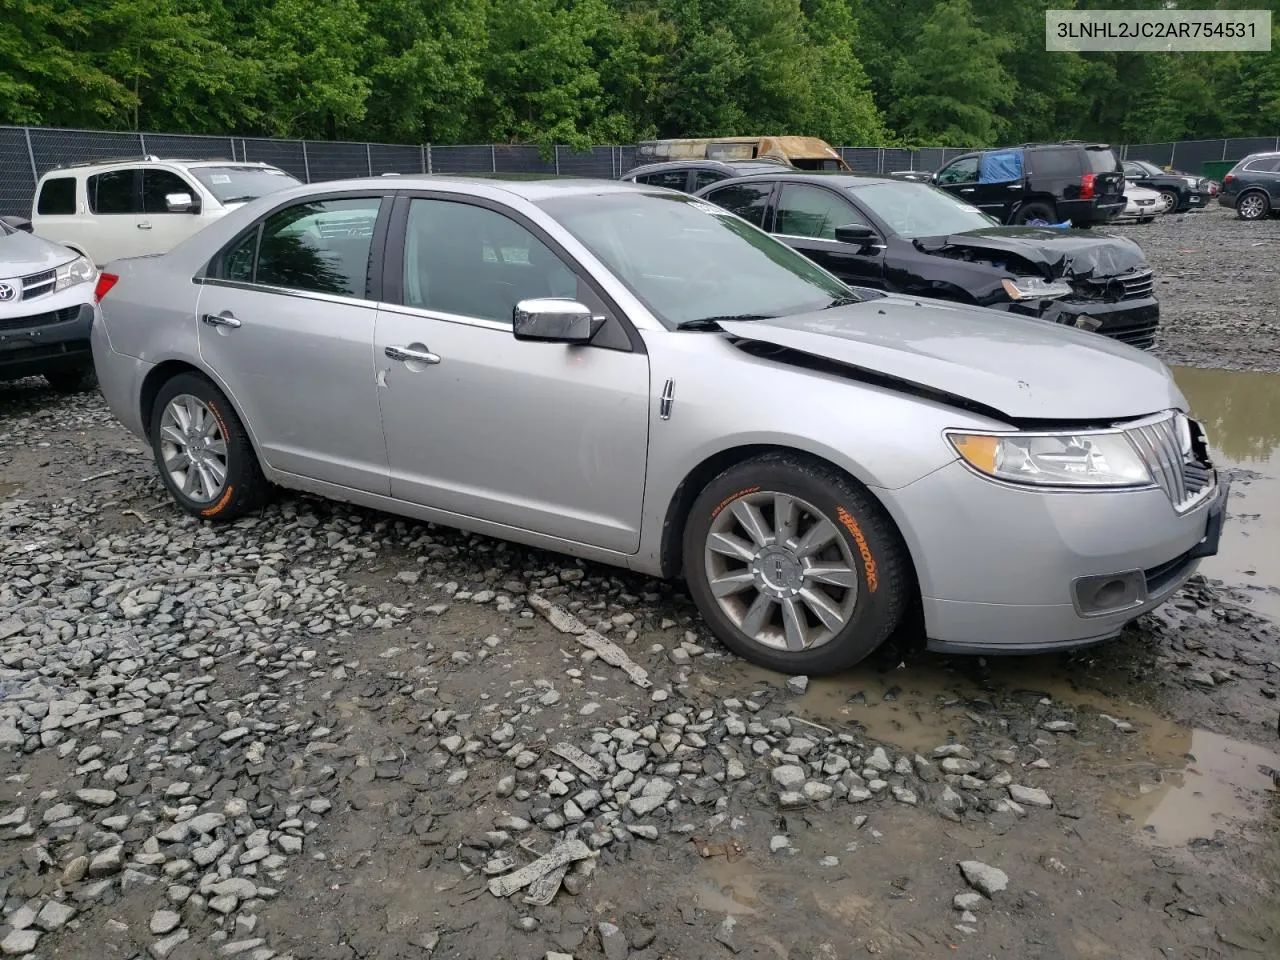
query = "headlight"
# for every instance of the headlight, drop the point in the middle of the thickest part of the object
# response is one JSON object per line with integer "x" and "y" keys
{"x": 1192, "y": 182}
{"x": 78, "y": 270}
{"x": 1035, "y": 288}
{"x": 1054, "y": 459}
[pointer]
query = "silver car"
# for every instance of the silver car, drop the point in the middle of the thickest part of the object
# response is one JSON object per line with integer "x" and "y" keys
{"x": 637, "y": 377}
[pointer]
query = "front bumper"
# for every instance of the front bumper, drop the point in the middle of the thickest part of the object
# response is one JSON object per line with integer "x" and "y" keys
{"x": 1198, "y": 201}
{"x": 1134, "y": 321}
{"x": 46, "y": 334}
{"x": 1000, "y": 566}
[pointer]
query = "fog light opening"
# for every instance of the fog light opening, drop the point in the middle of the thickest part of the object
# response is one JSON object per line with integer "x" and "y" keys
{"x": 1109, "y": 593}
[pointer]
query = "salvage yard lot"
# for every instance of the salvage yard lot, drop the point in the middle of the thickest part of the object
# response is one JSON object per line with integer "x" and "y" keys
{"x": 311, "y": 733}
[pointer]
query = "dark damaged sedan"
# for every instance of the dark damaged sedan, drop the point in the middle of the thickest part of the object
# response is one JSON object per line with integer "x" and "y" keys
{"x": 914, "y": 239}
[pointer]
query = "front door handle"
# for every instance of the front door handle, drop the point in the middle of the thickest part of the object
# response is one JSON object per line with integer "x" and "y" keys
{"x": 1015, "y": 186}
{"x": 967, "y": 190}
{"x": 412, "y": 353}
{"x": 145, "y": 225}
{"x": 224, "y": 319}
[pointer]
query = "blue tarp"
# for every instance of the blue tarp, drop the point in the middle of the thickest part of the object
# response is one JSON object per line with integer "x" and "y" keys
{"x": 1000, "y": 166}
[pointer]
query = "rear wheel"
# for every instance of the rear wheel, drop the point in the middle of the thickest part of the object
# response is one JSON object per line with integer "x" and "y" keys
{"x": 1253, "y": 205}
{"x": 795, "y": 566}
{"x": 71, "y": 380}
{"x": 1035, "y": 211}
{"x": 203, "y": 452}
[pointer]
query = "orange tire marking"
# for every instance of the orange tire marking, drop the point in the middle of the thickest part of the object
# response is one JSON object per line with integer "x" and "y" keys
{"x": 868, "y": 561}
{"x": 729, "y": 499}
{"x": 217, "y": 507}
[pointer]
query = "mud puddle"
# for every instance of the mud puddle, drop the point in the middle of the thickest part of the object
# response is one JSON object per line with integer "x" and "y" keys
{"x": 1241, "y": 413}
{"x": 7, "y": 490}
{"x": 1206, "y": 783}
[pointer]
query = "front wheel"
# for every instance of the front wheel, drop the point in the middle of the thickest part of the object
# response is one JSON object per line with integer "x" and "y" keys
{"x": 1169, "y": 201}
{"x": 203, "y": 451}
{"x": 795, "y": 566}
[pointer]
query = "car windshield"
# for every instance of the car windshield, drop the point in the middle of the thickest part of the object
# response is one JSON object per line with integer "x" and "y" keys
{"x": 912, "y": 209}
{"x": 688, "y": 260}
{"x": 233, "y": 184}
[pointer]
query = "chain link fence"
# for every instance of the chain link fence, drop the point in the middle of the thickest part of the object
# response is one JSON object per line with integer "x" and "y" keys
{"x": 26, "y": 153}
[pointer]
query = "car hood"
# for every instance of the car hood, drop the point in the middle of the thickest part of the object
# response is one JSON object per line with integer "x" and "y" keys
{"x": 1051, "y": 251}
{"x": 23, "y": 253}
{"x": 1021, "y": 368}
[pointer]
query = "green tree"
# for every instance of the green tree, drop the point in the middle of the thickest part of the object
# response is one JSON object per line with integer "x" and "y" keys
{"x": 951, "y": 86}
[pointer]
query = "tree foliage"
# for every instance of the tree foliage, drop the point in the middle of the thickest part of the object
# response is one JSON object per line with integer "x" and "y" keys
{"x": 920, "y": 72}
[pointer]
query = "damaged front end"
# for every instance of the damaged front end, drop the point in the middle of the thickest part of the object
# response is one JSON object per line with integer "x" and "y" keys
{"x": 1100, "y": 284}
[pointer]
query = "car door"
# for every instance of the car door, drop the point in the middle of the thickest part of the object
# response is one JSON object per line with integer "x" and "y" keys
{"x": 110, "y": 231}
{"x": 287, "y": 324}
{"x": 161, "y": 228}
{"x": 749, "y": 200}
{"x": 1136, "y": 175}
{"x": 537, "y": 436}
{"x": 806, "y": 216}
{"x": 999, "y": 188}
{"x": 959, "y": 177}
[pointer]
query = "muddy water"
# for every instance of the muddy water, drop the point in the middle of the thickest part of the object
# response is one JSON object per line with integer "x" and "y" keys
{"x": 7, "y": 490}
{"x": 1241, "y": 414}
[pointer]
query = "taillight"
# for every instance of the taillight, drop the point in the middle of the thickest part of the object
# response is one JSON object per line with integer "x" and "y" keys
{"x": 105, "y": 282}
{"x": 1086, "y": 186}
{"x": 1228, "y": 178}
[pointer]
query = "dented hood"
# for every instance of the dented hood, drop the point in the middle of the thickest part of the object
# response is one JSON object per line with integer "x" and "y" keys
{"x": 1053, "y": 251}
{"x": 1026, "y": 369}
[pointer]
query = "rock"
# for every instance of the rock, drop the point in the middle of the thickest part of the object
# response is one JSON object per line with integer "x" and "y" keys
{"x": 19, "y": 942}
{"x": 1202, "y": 678}
{"x": 1029, "y": 796}
{"x": 107, "y": 862}
{"x": 612, "y": 942}
{"x": 724, "y": 932}
{"x": 986, "y": 880}
{"x": 163, "y": 947}
{"x": 164, "y": 921}
{"x": 54, "y": 915}
{"x": 59, "y": 811}
{"x": 791, "y": 799}
{"x": 96, "y": 798}
{"x": 879, "y": 761}
{"x": 75, "y": 871}
{"x": 904, "y": 795}
{"x": 789, "y": 777}
{"x": 959, "y": 765}
{"x": 799, "y": 746}
{"x": 968, "y": 901}
{"x": 798, "y": 685}
{"x": 779, "y": 842}
{"x": 16, "y": 816}
{"x": 949, "y": 804}
{"x": 953, "y": 750}
{"x": 1059, "y": 726}
{"x": 829, "y": 862}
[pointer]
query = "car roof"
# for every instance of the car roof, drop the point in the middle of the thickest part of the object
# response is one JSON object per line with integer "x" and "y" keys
{"x": 838, "y": 178}
{"x": 90, "y": 165}
{"x": 528, "y": 186}
{"x": 756, "y": 163}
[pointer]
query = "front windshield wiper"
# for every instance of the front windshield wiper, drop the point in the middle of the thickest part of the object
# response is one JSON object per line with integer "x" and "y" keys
{"x": 238, "y": 199}
{"x": 713, "y": 323}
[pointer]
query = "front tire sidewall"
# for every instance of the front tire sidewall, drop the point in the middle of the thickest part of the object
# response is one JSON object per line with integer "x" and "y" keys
{"x": 864, "y": 526}
{"x": 245, "y": 487}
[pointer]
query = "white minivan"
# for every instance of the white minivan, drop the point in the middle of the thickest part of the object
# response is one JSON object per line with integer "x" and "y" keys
{"x": 131, "y": 208}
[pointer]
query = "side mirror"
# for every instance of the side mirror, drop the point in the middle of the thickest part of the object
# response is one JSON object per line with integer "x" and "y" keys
{"x": 856, "y": 233}
{"x": 180, "y": 203}
{"x": 18, "y": 223}
{"x": 552, "y": 320}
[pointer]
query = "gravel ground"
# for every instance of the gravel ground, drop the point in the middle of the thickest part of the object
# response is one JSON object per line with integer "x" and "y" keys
{"x": 330, "y": 733}
{"x": 1218, "y": 286}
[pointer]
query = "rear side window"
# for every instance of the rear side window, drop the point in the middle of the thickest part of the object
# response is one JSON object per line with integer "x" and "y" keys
{"x": 1263, "y": 165}
{"x": 747, "y": 200}
{"x": 671, "y": 179}
{"x": 1057, "y": 163}
{"x": 112, "y": 193}
{"x": 1102, "y": 161}
{"x": 57, "y": 197}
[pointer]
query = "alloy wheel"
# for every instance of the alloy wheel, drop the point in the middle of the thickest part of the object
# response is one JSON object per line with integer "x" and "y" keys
{"x": 1167, "y": 202}
{"x": 193, "y": 448}
{"x": 1251, "y": 207}
{"x": 780, "y": 570}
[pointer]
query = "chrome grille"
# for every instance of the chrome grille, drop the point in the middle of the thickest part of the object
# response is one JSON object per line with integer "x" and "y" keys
{"x": 1185, "y": 478}
{"x": 38, "y": 284}
{"x": 1138, "y": 285}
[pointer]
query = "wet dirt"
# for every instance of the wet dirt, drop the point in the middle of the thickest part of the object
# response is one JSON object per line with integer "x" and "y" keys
{"x": 1241, "y": 414}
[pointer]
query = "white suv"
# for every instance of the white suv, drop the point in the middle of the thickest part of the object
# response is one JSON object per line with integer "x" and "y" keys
{"x": 131, "y": 208}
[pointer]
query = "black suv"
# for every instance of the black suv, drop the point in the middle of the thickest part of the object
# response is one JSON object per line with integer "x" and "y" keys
{"x": 1179, "y": 192}
{"x": 690, "y": 176}
{"x": 1053, "y": 182}
{"x": 1252, "y": 188}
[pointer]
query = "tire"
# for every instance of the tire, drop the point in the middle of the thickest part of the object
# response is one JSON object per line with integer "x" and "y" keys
{"x": 1253, "y": 205}
{"x": 243, "y": 488}
{"x": 1169, "y": 201}
{"x": 71, "y": 380}
{"x": 1035, "y": 211}
{"x": 867, "y": 578}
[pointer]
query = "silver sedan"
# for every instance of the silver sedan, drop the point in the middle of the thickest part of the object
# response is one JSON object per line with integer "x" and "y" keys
{"x": 634, "y": 376}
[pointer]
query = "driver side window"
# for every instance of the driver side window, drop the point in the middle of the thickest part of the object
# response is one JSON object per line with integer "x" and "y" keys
{"x": 805, "y": 211}
{"x": 961, "y": 171}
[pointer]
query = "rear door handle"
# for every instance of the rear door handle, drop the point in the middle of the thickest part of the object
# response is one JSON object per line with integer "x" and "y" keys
{"x": 1015, "y": 186}
{"x": 966, "y": 190}
{"x": 412, "y": 353}
{"x": 224, "y": 319}
{"x": 145, "y": 225}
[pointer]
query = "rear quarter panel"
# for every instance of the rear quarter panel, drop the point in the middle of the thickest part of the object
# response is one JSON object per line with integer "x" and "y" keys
{"x": 150, "y": 314}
